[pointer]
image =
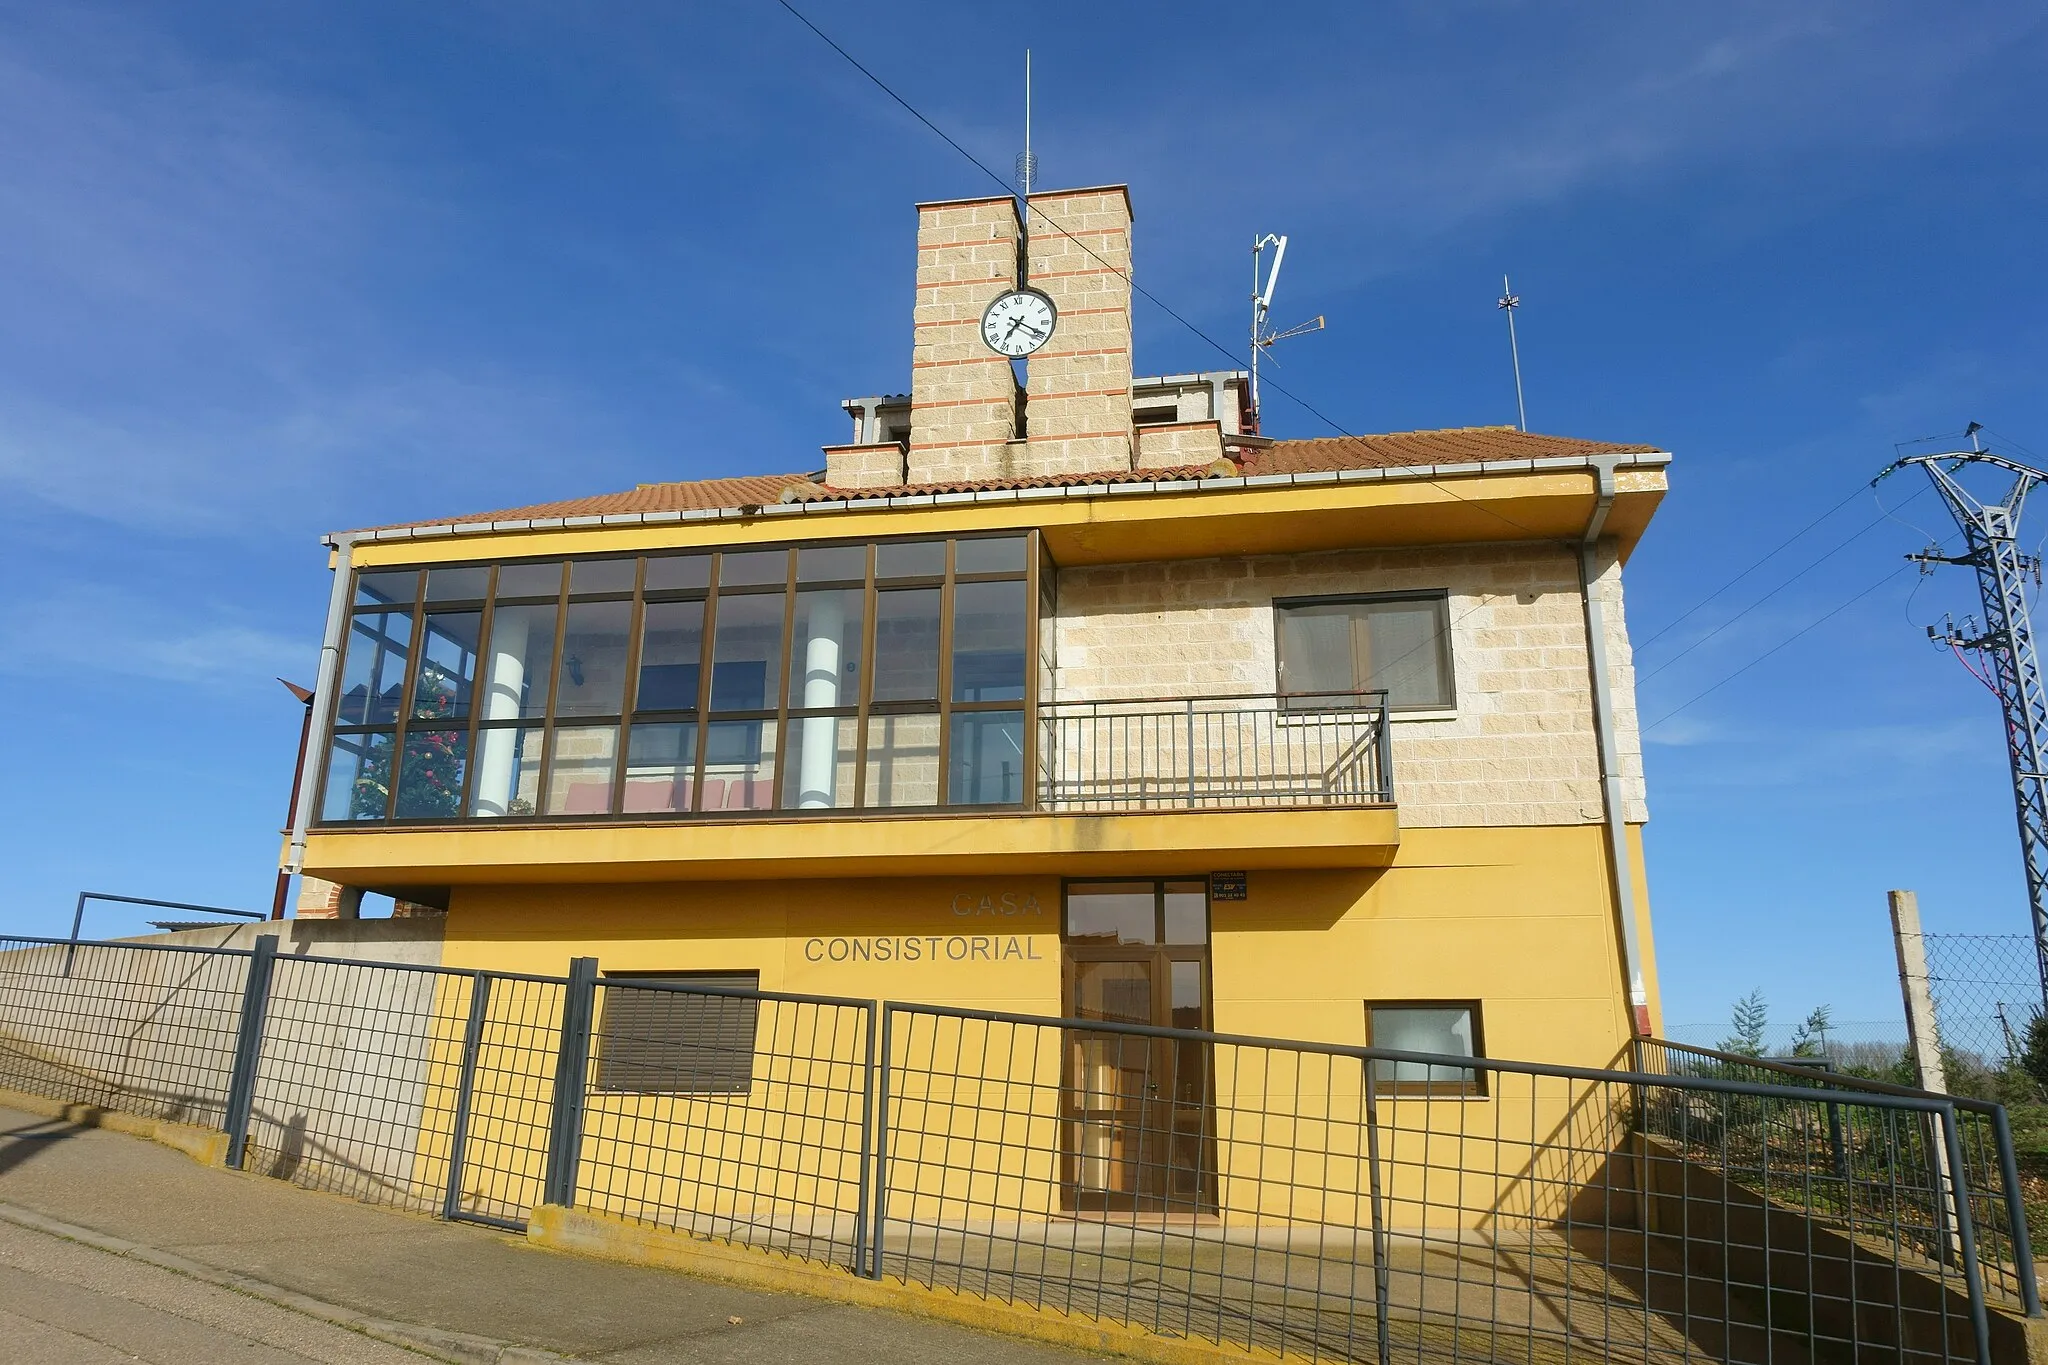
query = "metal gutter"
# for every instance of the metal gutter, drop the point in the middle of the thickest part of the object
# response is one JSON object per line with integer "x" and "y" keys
{"x": 1604, "y": 738}
{"x": 1603, "y": 466}
{"x": 324, "y": 685}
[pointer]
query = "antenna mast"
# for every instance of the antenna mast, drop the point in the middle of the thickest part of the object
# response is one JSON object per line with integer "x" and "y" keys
{"x": 1509, "y": 302}
{"x": 1027, "y": 176}
{"x": 1262, "y": 302}
{"x": 2006, "y": 644}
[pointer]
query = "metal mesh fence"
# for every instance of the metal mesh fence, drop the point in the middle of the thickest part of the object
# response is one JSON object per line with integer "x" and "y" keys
{"x": 1987, "y": 989}
{"x": 739, "y": 1115}
{"x": 1317, "y": 1201}
{"x": 142, "y": 1030}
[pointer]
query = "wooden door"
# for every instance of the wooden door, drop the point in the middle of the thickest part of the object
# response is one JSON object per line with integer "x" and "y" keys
{"x": 1138, "y": 1133}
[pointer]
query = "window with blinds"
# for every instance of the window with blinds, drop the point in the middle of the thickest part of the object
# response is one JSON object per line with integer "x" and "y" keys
{"x": 1399, "y": 645}
{"x": 654, "y": 1041}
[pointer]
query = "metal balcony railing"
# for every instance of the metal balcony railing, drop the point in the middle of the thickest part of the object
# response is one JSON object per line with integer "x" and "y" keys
{"x": 1215, "y": 753}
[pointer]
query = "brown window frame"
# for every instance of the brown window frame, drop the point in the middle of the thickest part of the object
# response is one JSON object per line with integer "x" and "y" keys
{"x": 780, "y": 705}
{"x": 1446, "y": 660}
{"x": 1472, "y": 1088}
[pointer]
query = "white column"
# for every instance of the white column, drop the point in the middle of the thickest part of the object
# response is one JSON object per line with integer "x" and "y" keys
{"x": 817, "y": 764}
{"x": 498, "y": 756}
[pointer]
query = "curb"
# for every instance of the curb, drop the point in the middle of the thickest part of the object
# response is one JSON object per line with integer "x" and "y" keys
{"x": 207, "y": 1146}
{"x": 461, "y": 1348}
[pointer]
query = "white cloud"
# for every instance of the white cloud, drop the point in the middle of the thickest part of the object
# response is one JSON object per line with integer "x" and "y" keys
{"x": 99, "y": 631}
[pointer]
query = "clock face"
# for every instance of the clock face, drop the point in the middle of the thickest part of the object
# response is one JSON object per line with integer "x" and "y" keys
{"x": 1018, "y": 323}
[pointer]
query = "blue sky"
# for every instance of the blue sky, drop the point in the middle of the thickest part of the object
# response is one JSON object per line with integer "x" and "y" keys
{"x": 276, "y": 270}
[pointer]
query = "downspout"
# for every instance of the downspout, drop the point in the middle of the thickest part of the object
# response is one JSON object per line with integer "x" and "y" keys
{"x": 1603, "y": 731}
{"x": 323, "y": 700}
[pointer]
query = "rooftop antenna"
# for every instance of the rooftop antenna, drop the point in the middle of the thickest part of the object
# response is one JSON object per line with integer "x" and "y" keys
{"x": 1027, "y": 164}
{"x": 1262, "y": 303}
{"x": 1509, "y": 302}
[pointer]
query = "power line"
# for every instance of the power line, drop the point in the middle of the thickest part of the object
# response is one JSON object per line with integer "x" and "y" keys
{"x": 1811, "y": 625}
{"x": 1786, "y": 583}
{"x": 1137, "y": 288}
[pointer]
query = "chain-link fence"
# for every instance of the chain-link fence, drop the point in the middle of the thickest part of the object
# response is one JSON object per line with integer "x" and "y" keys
{"x": 1987, "y": 990}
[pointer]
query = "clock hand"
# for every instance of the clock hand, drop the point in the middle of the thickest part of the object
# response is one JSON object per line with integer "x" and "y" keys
{"x": 1015, "y": 323}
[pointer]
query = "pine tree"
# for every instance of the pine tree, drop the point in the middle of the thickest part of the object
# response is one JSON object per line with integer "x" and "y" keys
{"x": 1751, "y": 1016}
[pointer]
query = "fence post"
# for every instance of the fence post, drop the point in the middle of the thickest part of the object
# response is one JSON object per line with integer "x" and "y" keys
{"x": 2016, "y": 1213}
{"x": 248, "y": 1047}
{"x": 1385, "y": 755}
{"x": 572, "y": 1069}
{"x": 880, "y": 1203}
{"x": 867, "y": 1150}
{"x": 1966, "y": 1232}
{"x": 465, "y": 1087}
{"x": 1381, "y": 1275}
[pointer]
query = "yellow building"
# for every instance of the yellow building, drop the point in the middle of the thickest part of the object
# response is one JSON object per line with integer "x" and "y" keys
{"x": 1067, "y": 695}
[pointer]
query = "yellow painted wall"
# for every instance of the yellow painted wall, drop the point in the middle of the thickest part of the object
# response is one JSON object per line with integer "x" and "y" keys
{"x": 1521, "y": 919}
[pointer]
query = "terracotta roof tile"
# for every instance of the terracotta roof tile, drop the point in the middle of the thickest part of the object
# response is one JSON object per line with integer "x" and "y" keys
{"x": 1458, "y": 445}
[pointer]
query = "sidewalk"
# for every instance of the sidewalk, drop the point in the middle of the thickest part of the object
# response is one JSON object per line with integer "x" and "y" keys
{"x": 452, "y": 1291}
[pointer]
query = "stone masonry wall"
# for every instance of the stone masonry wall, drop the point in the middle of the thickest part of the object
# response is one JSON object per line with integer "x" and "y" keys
{"x": 1079, "y": 420}
{"x": 963, "y": 396}
{"x": 1519, "y": 749}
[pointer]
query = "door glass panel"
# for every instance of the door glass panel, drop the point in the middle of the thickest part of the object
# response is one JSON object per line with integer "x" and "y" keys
{"x": 507, "y": 771}
{"x": 988, "y": 641}
{"x": 907, "y": 645}
{"x": 522, "y": 654}
{"x": 1112, "y": 1077}
{"x": 903, "y": 761}
{"x": 1187, "y": 912}
{"x": 580, "y": 782}
{"x": 1112, "y": 912}
{"x": 447, "y": 666}
{"x": 593, "y": 672}
{"x": 373, "y": 675}
{"x": 671, "y": 649}
{"x": 747, "y": 658}
{"x": 661, "y": 767}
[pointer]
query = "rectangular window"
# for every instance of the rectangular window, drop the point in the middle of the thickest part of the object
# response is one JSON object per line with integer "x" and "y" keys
{"x": 1399, "y": 645}
{"x": 652, "y": 1041}
{"x": 1443, "y": 1027}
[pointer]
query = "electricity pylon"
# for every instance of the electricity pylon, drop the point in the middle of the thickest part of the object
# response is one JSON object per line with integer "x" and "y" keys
{"x": 2006, "y": 643}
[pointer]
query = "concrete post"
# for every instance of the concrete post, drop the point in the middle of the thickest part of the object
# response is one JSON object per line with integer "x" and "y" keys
{"x": 1923, "y": 1038}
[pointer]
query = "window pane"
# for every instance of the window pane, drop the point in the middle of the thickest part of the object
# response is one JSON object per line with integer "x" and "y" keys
{"x": 580, "y": 782}
{"x": 1113, "y": 912}
{"x": 987, "y": 759}
{"x": 373, "y": 674}
{"x": 903, "y": 761}
{"x": 661, "y": 766}
{"x": 358, "y": 777}
{"x": 1187, "y": 912}
{"x": 447, "y": 666}
{"x": 529, "y": 580}
{"x": 989, "y": 556}
{"x": 917, "y": 559}
{"x": 430, "y": 773}
{"x": 671, "y": 649}
{"x": 588, "y": 576}
{"x": 390, "y": 587}
{"x": 1412, "y": 1029}
{"x": 471, "y": 584}
{"x": 988, "y": 641}
{"x": 907, "y": 645}
{"x": 522, "y": 650}
{"x": 507, "y": 771}
{"x": 832, "y": 563}
{"x": 593, "y": 672}
{"x": 824, "y": 659}
{"x": 753, "y": 567}
{"x": 1315, "y": 649}
{"x": 820, "y": 771}
{"x": 747, "y": 658}
{"x": 678, "y": 573}
{"x": 1404, "y": 652}
{"x": 739, "y": 765}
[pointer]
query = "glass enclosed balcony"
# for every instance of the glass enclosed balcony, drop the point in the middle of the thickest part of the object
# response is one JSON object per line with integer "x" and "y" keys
{"x": 816, "y": 680}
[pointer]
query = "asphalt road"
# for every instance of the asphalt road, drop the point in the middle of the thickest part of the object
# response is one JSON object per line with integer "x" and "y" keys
{"x": 62, "y": 1303}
